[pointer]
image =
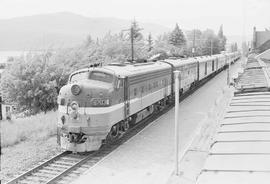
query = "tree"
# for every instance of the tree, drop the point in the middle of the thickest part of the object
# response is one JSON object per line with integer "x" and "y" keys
{"x": 32, "y": 83}
{"x": 245, "y": 49}
{"x": 210, "y": 43}
{"x": 88, "y": 41}
{"x": 233, "y": 47}
{"x": 177, "y": 37}
{"x": 135, "y": 31}
{"x": 150, "y": 42}
{"x": 161, "y": 45}
{"x": 194, "y": 41}
{"x": 222, "y": 39}
{"x": 134, "y": 35}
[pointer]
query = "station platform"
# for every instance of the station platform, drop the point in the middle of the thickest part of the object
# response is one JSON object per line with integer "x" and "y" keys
{"x": 240, "y": 152}
{"x": 241, "y": 149}
{"x": 254, "y": 77}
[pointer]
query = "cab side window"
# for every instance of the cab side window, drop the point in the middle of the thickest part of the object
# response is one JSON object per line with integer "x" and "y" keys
{"x": 135, "y": 91}
{"x": 120, "y": 83}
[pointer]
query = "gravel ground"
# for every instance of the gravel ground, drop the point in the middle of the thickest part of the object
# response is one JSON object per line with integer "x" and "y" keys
{"x": 20, "y": 157}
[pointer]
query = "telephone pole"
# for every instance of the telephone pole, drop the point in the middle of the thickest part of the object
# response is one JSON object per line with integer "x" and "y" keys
{"x": 132, "y": 43}
{"x": 193, "y": 48}
{"x": 176, "y": 121}
{"x": 211, "y": 47}
{"x": 133, "y": 30}
{"x": 1, "y": 116}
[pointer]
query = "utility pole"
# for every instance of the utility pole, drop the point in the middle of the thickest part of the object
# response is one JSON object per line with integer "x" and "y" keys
{"x": 132, "y": 43}
{"x": 132, "y": 39}
{"x": 1, "y": 116}
{"x": 176, "y": 119}
{"x": 211, "y": 47}
{"x": 228, "y": 74}
{"x": 193, "y": 49}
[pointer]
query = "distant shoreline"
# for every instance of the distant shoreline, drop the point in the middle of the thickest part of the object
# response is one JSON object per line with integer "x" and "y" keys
{"x": 5, "y": 54}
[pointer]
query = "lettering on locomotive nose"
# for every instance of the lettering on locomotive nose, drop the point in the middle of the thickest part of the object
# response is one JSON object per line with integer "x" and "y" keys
{"x": 100, "y": 102}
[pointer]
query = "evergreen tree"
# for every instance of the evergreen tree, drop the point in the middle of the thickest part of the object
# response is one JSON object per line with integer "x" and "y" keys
{"x": 150, "y": 42}
{"x": 222, "y": 39}
{"x": 88, "y": 41}
{"x": 177, "y": 37}
{"x": 235, "y": 47}
{"x": 137, "y": 35}
{"x": 210, "y": 42}
{"x": 97, "y": 41}
{"x": 220, "y": 32}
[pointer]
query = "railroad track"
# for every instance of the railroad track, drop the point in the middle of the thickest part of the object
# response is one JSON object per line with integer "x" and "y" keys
{"x": 67, "y": 166}
{"x": 50, "y": 170}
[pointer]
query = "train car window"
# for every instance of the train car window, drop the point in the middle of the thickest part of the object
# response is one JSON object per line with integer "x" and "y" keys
{"x": 135, "y": 91}
{"x": 156, "y": 84}
{"x": 101, "y": 76}
{"x": 120, "y": 83}
{"x": 205, "y": 69}
{"x": 142, "y": 89}
{"x": 150, "y": 86}
{"x": 79, "y": 76}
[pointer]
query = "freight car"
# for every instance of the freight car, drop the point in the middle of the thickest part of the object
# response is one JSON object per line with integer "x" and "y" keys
{"x": 99, "y": 104}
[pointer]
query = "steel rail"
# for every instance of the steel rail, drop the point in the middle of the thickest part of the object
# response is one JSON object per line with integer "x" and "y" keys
{"x": 22, "y": 176}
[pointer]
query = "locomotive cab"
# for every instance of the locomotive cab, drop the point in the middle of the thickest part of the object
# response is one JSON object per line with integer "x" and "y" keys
{"x": 87, "y": 105}
{"x": 94, "y": 88}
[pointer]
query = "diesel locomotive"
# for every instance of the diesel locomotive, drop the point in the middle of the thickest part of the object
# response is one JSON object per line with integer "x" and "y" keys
{"x": 99, "y": 104}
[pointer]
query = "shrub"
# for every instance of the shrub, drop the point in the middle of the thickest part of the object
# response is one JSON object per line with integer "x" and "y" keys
{"x": 40, "y": 126}
{"x": 33, "y": 82}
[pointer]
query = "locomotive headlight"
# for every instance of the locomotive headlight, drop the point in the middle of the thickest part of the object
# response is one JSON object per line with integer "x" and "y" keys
{"x": 74, "y": 106}
{"x": 75, "y": 89}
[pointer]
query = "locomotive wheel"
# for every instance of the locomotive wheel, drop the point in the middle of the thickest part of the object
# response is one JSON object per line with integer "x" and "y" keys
{"x": 125, "y": 126}
{"x": 156, "y": 108}
{"x": 133, "y": 119}
{"x": 114, "y": 133}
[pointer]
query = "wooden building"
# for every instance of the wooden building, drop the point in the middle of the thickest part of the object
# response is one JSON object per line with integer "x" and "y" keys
{"x": 6, "y": 109}
{"x": 261, "y": 40}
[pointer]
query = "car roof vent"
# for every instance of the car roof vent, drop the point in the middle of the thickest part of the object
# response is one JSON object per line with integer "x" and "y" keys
{"x": 117, "y": 64}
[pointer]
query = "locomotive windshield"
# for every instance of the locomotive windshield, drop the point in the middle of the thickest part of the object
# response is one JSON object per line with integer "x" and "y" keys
{"x": 79, "y": 76}
{"x": 101, "y": 76}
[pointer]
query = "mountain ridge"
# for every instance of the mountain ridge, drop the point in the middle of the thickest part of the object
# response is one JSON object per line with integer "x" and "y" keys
{"x": 63, "y": 29}
{"x": 66, "y": 29}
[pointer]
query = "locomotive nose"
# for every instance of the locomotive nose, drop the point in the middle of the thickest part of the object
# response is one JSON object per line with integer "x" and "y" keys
{"x": 86, "y": 94}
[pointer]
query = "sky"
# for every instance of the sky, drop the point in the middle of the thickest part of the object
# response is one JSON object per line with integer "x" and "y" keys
{"x": 237, "y": 16}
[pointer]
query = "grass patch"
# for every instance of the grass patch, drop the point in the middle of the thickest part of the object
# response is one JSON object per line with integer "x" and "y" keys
{"x": 40, "y": 126}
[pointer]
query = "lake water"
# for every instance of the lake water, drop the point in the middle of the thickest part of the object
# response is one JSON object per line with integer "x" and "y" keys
{"x": 4, "y": 55}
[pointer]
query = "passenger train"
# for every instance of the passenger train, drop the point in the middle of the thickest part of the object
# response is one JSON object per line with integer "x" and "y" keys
{"x": 98, "y": 105}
